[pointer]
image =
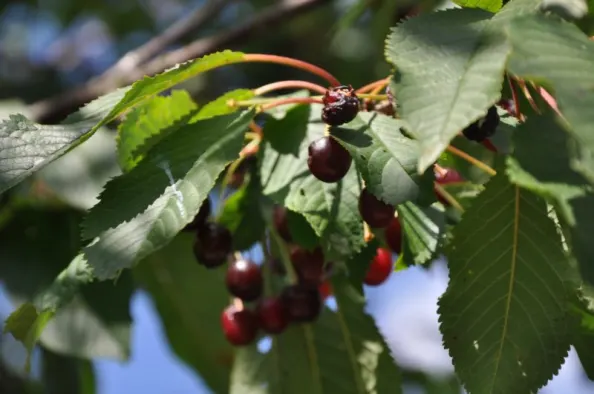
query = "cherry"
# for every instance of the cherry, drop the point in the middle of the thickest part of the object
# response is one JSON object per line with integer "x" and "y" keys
{"x": 272, "y": 315}
{"x": 328, "y": 160}
{"x": 201, "y": 217}
{"x": 325, "y": 289}
{"x": 244, "y": 280}
{"x": 484, "y": 127}
{"x": 393, "y": 234}
{"x": 212, "y": 245}
{"x": 309, "y": 265}
{"x": 376, "y": 213}
{"x": 380, "y": 268}
{"x": 239, "y": 326}
{"x": 341, "y": 105}
{"x": 277, "y": 267}
{"x": 279, "y": 217}
{"x": 303, "y": 303}
{"x": 450, "y": 176}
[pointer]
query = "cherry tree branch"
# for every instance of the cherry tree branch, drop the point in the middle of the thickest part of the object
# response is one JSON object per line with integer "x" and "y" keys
{"x": 55, "y": 108}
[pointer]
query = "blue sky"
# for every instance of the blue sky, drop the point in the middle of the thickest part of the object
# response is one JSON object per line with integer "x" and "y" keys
{"x": 404, "y": 307}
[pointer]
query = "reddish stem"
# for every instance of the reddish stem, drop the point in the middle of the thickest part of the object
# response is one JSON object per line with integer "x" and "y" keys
{"x": 255, "y": 128}
{"x": 512, "y": 87}
{"x": 292, "y": 100}
{"x": 288, "y": 85}
{"x": 550, "y": 100}
{"x": 370, "y": 86}
{"x": 288, "y": 61}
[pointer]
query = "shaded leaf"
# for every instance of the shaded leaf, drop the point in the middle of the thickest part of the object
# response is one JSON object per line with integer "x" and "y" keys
{"x": 358, "y": 264}
{"x": 301, "y": 231}
{"x": 583, "y": 337}
{"x": 504, "y": 315}
{"x": 193, "y": 158}
{"x": 422, "y": 230}
{"x": 331, "y": 209}
{"x": 386, "y": 159}
{"x": 189, "y": 299}
{"x": 158, "y": 117}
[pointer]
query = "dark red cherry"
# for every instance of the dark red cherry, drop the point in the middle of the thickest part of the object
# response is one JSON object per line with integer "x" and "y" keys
{"x": 272, "y": 315}
{"x": 376, "y": 213}
{"x": 244, "y": 280}
{"x": 450, "y": 176}
{"x": 328, "y": 160}
{"x": 239, "y": 326}
{"x": 309, "y": 265}
{"x": 483, "y": 128}
{"x": 212, "y": 245}
{"x": 380, "y": 268}
{"x": 341, "y": 105}
{"x": 303, "y": 303}
{"x": 201, "y": 217}
{"x": 325, "y": 289}
{"x": 393, "y": 234}
{"x": 279, "y": 217}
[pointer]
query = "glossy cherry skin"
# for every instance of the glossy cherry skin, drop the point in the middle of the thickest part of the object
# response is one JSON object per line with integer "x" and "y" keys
{"x": 272, "y": 315}
{"x": 328, "y": 160}
{"x": 309, "y": 265}
{"x": 450, "y": 176}
{"x": 393, "y": 234}
{"x": 240, "y": 327}
{"x": 244, "y": 280}
{"x": 376, "y": 213}
{"x": 279, "y": 218}
{"x": 201, "y": 217}
{"x": 212, "y": 245}
{"x": 303, "y": 303}
{"x": 325, "y": 289}
{"x": 380, "y": 268}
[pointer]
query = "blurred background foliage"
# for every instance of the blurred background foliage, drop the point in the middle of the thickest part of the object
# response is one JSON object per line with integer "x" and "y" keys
{"x": 48, "y": 47}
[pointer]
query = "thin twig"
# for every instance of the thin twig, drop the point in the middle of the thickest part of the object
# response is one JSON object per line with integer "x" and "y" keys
{"x": 471, "y": 160}
{"x": 55, "y": 108}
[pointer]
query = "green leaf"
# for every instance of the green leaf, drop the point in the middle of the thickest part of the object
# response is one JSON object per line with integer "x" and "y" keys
{"x": 469, "y": 171}
{"x": 583, "y": 337}
{"x": 149, "y": 86}
{"x": 249, "y": 372}
{"x": 331, "y": 209}
{"x": 386, "y": 159}
{"x": 220, "y": 107}
{"x": 189, "y": 299}
{"x": 28, "y": 321}
{"x": 26, "y": 146}
{"x": 568, "y": 9}
{"x": 63, "y": 374}
{"x": 487, "y": 5}
{"x": 542, "y": 163}
{"x": 504, "y": 316}
{"x": 95, "y": 324}
{"x": 242, "y": 215}
{"x": 158, "y": 117}
{"x": 358, "y": 264}
{"x": 193, "y": 157}
{"x": 448, "y": 74}
{"x": 557, "y": 53}
{"x": 342, "y": 351}
{"x": 422, "y": 230}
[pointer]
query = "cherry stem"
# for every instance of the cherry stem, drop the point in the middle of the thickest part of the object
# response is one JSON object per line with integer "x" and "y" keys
{"x": 549, "y": 99}
{"x": 255, "y": 128}
{"x": 372, "y": 96}
{"x": 289, "y": 85}
{"x": 439, "y": 169}
{"x": 288, "y": 61}
{"x": 526, "y": 92}
{"x": 448, "y": 197}
{"x": 373, "y": 85}
{"x": 267, "y": 266}
{"x": 471, "y": 160}
{"x": 514, "y": 93}
{"x": 292, "y": 100}
{"x": 367, "y": 234}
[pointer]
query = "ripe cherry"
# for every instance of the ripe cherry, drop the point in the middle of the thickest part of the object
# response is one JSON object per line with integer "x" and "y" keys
{"x": 239, "y": 326}
{"x": 244, "y": 280}
{"x": 212, "y": 245}
{"x": 328, "y": 160}
{"x": 376, "y": 213}
{"x": 201, "y": 217}
{"x": 325, "y": 289}
{"x": 309, "y": 265}
{"x": 303, "y": 303}
{"x": 380, "y": 268}
{"x": 272, "y": 315}
{"x": 393, "y": 234}
{"x": 484, "y": 127}
{"x": 450, "y": 176}
{"x": 341, "y": 105}
{"x": 279, "y": 217}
